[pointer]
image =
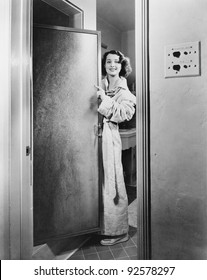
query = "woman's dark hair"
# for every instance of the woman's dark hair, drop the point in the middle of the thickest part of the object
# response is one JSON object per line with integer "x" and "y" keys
{"x": 125, "y": 63}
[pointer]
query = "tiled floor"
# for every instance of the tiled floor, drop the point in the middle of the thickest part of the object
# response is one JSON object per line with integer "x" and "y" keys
{"x": 93, "y": 250}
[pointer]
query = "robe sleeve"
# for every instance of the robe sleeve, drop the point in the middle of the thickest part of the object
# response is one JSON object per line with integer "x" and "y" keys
{"x": 117, "y": 111}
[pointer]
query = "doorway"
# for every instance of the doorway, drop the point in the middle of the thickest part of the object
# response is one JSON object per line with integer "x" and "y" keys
{"x": 116, "y": 21}
{"x": 129, "y": 152}
{"x": 21, "y": 245}
{"x": 141, "y": 45}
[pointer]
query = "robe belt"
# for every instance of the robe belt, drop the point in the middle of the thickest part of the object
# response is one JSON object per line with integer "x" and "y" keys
{"x": 107, "y": 120}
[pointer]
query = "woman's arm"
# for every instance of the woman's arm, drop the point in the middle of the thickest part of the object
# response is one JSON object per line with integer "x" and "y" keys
{"x": 118, "y": 111}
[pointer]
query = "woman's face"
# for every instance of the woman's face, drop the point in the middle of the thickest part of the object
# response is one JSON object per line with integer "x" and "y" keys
{"x": 112, "y": 65}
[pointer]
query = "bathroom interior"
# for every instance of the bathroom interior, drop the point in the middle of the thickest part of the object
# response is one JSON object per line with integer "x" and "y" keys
{"x": 116, "y": 26}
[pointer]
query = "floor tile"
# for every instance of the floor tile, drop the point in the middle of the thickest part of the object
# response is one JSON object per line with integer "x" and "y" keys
{"x": 93, "y": 256}
{"x": 118, "y": 253}
{"x": 102, "y": 248}
{"x": 116, "y": 246}
{"x": 106, "y": 255}
{"x": 132, "y": 234}
{"x": 128, "y": 243}
{"x": 77, "y": 257}
{"x": 131, "y": 251}
{"x": 88, "y": 250}
{"x": 79, "y": 252}
{"x": 134, "y": 239}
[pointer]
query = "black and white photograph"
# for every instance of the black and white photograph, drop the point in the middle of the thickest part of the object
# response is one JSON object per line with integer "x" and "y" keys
{"x": 103, "y": 131}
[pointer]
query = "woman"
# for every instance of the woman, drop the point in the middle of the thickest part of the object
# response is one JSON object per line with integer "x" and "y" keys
{"x": 117, "y": 105}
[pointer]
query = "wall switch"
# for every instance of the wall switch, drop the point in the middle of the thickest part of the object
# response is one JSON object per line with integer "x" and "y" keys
{"x": 182, "y": 60}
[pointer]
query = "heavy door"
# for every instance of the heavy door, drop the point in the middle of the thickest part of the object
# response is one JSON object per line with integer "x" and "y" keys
{"x": 65, "y": 145}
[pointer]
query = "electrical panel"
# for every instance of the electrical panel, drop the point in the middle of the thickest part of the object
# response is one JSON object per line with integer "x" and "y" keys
{"x": 182, "y": 60}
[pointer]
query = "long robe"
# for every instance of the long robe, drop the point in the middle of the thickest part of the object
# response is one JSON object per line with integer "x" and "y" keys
{"x": 116, "y": 107}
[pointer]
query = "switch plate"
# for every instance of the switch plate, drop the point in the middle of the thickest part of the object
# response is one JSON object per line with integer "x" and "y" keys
{"x": 182, "y": 60}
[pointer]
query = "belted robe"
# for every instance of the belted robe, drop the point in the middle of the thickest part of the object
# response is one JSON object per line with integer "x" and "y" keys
{"x": 118, "y": 106}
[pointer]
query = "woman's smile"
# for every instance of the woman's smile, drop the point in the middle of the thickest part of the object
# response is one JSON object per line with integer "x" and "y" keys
{"x": 112, "y": 65}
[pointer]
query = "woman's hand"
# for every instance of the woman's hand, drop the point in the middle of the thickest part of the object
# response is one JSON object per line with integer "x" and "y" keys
{"x": 100, "y": 93}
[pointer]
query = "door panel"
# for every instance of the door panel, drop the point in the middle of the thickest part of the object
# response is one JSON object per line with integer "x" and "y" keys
{"x": 66, "y": 183}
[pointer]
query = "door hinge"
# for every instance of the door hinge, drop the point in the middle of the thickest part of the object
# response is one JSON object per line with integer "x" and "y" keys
{"x": 28, "y": 150}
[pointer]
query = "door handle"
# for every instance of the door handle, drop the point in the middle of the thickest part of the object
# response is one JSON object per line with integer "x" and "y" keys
{"x": 98, "y": 130}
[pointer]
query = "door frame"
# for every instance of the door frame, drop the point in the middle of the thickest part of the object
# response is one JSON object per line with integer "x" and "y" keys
{"x": 143, "y": 130}
{"x": 69, "y": 9}
{"x": 20, "y": 185}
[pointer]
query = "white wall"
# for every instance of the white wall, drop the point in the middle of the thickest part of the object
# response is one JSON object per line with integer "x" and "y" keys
{"x": 178, "y": 134}
{"x": 110, "y": 35}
